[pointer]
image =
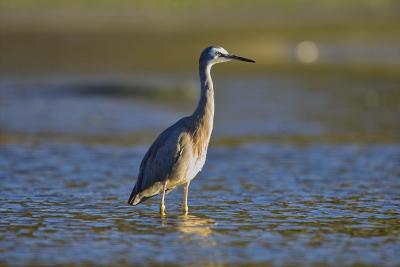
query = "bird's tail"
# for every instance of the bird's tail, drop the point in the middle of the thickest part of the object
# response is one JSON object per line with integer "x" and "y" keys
{"x": 136, "y": 198}
{"x": 133, "y": 197}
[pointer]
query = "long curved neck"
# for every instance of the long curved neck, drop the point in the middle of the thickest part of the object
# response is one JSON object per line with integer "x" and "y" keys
{"x": 204, "y": 114}
{"x": 205, "y": 106}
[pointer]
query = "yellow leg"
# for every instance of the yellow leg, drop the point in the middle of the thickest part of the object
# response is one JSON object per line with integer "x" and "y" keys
{"x": 162, "y": 205}
{"x": 185, "y": 197}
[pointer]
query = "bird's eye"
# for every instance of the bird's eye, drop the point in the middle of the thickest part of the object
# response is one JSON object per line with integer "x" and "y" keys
{"x": 218, "y": 54}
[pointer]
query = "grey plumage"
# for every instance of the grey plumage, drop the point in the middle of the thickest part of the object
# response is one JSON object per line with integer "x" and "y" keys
{"x": 179, "y": 153}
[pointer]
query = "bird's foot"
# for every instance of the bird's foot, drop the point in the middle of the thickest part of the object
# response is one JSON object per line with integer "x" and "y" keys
{"x": 185, "y": 209}
{"x": 162, "y": 210}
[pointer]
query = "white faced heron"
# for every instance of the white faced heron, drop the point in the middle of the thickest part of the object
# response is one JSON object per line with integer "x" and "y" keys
{"x": 179, "y": 153}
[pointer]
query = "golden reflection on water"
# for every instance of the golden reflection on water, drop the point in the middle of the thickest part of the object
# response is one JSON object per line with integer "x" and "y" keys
{"x": 194, "y": 225}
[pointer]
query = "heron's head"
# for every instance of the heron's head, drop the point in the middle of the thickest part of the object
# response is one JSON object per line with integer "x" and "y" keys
{"x": 216, "y": 54}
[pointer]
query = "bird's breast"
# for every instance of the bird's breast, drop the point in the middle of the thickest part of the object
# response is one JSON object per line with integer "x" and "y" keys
{"x": 197, "y": 164}
{"x": 200, "y": 139}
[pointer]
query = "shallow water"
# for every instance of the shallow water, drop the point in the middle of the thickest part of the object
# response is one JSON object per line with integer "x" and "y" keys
{"x": 268, "y": 204}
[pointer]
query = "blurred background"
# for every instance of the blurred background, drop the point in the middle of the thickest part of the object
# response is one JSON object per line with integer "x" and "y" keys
{"x": 304, "y": 163}
{"x": 113, "y": 71}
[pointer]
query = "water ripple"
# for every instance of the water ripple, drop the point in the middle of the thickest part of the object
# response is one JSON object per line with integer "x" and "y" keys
{"x": 278, "y": 204}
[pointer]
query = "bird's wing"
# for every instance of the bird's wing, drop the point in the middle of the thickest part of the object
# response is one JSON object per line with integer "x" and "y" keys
{"x": 161, "y": 158}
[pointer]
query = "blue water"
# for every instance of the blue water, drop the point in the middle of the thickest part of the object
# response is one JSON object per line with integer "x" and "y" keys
{"x": 263, "y": 204}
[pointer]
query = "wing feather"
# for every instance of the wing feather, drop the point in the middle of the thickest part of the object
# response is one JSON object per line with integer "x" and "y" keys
{"x": 159, "y": 161}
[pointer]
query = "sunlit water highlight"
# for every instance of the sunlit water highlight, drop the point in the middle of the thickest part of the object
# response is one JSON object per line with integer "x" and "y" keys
{"x": 270, "y": 204}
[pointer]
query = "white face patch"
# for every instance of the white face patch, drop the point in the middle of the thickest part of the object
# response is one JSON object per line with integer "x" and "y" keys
{"x": 214, "y": 54}
{"x": 217, "y": 53}
{"x": 220, "y": 50}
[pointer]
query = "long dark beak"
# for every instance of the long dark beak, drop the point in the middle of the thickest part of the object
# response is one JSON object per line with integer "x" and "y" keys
{"x": 240, "y": 58}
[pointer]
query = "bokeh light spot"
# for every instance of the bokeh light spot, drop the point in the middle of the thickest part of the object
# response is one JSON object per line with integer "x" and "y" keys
{"x": 307, "y": 52}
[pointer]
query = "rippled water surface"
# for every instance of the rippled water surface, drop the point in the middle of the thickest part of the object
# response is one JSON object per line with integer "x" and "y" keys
{"x": 260, "y": 204}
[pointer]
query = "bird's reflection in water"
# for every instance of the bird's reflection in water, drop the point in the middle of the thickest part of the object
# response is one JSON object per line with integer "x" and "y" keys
{"x": 196, "y": 232}
{"x": 194, "y": 225}
{"x": 191, "y": 226}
